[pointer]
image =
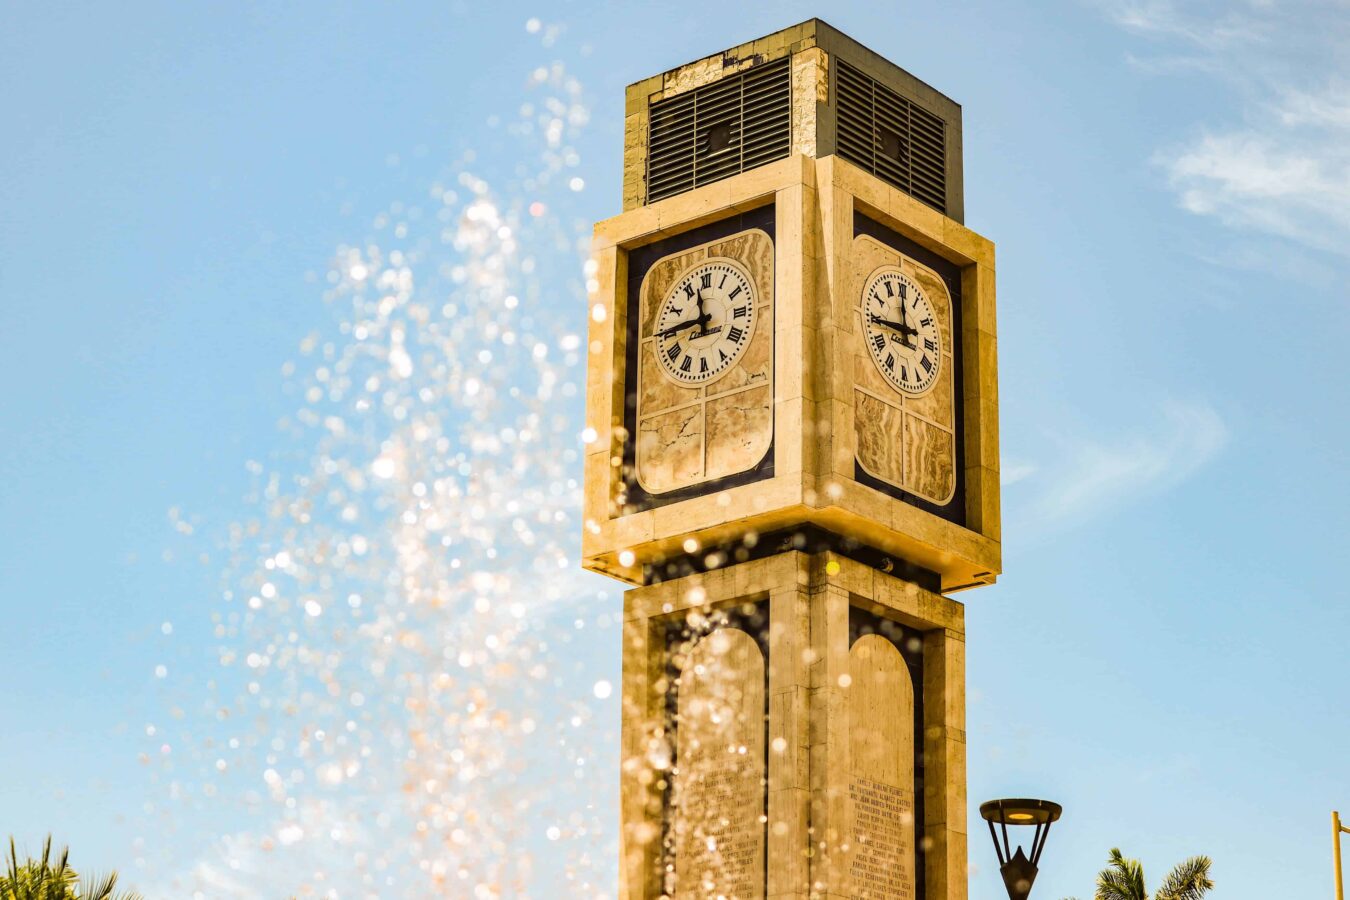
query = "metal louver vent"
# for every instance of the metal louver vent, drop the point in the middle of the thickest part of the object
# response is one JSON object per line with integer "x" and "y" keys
{"x": 719, "y": 130}
{"x": 891, "y": 137}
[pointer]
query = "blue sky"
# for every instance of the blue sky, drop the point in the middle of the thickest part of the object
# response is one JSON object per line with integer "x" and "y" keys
{"x": 187, "y": 198}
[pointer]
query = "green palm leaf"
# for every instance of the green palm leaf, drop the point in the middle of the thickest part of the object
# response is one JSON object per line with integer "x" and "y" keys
{"x": 1188, "y": 881}
{"x": 1122, "y": 879}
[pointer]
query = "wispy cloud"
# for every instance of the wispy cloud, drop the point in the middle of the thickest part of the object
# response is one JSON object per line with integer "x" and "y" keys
{"x": 1217, "y": 27}
{"x": 1279, "y": 161}
{"x": 1289, "y": 176}
{"x": 1085, "y": 477}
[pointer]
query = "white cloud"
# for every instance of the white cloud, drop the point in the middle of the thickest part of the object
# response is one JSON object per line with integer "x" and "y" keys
{"x": 1210, "y": 27}
{"x": 1090, "y": 477}
{"x": 1280, "y": 164}
{"x": 1289, "y": 176}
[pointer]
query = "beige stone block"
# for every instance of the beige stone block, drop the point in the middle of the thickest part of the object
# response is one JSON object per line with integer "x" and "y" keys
{"x": 829, "y": 633}
{"x": 692, "y": 209}
{"x": 787, "y": 446}
{"x": 629, "y": 229}
{"x": 983, "y": 501}
{"x": 789, "y": 639}
{"x": 789, "y": 759}
{"x": 941, "y": 612}
{"x": 762, "y": 185}
{"x": 969, "y": 246}
{"x": 981, "y": 365}
{"x": 849, "y": 575}
{"x": 980, "y": 301}
{"x": 945, "y": 865}
{"x": 944, "y": 680}
{"x": 981, "y": 420}
{"x": 863, "y": 185}
{"x": 636, "y": 94}
{"x": 916, "y": 219}
{"x": 842, "y": 450}
{"x": 789, "y": 837}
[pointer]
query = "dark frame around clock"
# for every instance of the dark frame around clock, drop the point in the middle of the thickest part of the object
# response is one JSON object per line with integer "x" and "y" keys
{"x": 954, "y": 510}
{"x": 640, "y": 261}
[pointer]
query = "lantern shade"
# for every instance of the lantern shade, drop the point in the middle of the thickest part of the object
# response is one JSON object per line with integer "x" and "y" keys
{"x": 1017, "y": 867}
{"x": 1020, "y": 812}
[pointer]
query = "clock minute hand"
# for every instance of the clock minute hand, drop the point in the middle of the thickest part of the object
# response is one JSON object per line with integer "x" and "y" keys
{"x": 895, "y": 326}
{"x": 675, "y": 329}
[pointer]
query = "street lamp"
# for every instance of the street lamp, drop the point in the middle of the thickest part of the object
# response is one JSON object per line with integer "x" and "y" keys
{"x": 1019, "y": 870}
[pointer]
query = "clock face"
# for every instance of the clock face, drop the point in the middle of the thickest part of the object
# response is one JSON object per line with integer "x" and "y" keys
{"x": 901, "y": 331}
{"x": 705, "y": 322}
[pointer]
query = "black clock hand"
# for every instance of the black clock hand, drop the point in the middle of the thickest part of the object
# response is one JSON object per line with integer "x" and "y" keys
{"x": 675, "y": 329}
{"x": 896, "y": 326}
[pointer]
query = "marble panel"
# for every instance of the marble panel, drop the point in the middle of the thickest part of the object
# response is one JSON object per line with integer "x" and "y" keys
{"x": 881, "y": 859}
{"x": 718, "y": 794}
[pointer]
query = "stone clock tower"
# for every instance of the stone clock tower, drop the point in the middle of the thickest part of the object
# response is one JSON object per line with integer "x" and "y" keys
{"x": 793, "y": 394}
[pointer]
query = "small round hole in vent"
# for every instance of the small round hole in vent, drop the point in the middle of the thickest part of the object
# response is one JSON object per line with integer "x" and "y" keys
{"x": 718, "y": 139}
{"x": 890, "y": 144}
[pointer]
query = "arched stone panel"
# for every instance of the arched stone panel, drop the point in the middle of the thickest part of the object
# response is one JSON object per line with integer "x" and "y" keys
{"x": 718, "y": 791}
{"x": 881, "y": 772}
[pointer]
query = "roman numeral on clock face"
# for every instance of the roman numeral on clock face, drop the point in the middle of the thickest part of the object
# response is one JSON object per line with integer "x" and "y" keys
{"x": 735, "y": 334}
{"x": 739, "y": 312}
{"x": 706, "y": 280}
{"x": 890, "y": 361}
{"x": 686, "y": 363}
{"x": 926, "y": 363}
{"x": 702, "y": 365}
{"x": 879, "y": 341}
{"x": 930, "y": 345}
{"x": 674, "y": 352}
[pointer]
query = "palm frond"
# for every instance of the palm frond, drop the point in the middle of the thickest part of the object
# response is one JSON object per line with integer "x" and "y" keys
{"x": 1122, "y": 879}
{"x": 105, "y": 888}
{"x": 1189, "y": 880}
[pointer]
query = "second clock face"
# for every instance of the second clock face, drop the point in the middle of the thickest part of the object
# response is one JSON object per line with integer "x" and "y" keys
{"x": 705, "y": 322}
{"x": 901, "y": 331}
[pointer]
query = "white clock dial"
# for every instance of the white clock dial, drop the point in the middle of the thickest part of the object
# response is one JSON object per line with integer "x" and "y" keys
{"x": 901, "y": 331}
{"x": 705, "y": 322}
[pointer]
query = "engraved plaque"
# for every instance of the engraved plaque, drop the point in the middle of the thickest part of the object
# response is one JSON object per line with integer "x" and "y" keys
{"x": 718, "y": 793}
{"x": 881, "y": 862}
{"x": 905, "y": 440}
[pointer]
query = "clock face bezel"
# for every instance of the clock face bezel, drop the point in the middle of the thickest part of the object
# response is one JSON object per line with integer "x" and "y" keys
{"x": 894, "y": 356}
{"x": 728, "y": 318}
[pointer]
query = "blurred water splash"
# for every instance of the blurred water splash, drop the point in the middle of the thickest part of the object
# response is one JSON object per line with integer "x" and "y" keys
{"x": 403, "y": 706}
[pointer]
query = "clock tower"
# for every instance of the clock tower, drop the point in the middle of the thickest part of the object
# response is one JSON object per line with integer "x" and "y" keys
{"x": 793, "y": 412}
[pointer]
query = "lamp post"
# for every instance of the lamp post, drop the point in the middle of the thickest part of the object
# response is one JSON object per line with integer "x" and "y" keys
{"x": 1019, "y": 869}
{"x": 1337, "y": 826}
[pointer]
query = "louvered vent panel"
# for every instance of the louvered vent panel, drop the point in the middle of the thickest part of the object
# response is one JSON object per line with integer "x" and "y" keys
{"x": 718, "y": 130}
{"x": 889, "y": 136}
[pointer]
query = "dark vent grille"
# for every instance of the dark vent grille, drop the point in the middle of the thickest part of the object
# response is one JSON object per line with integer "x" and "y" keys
{"x": 891, "y": 137}
{"x": 718, "y": 130}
